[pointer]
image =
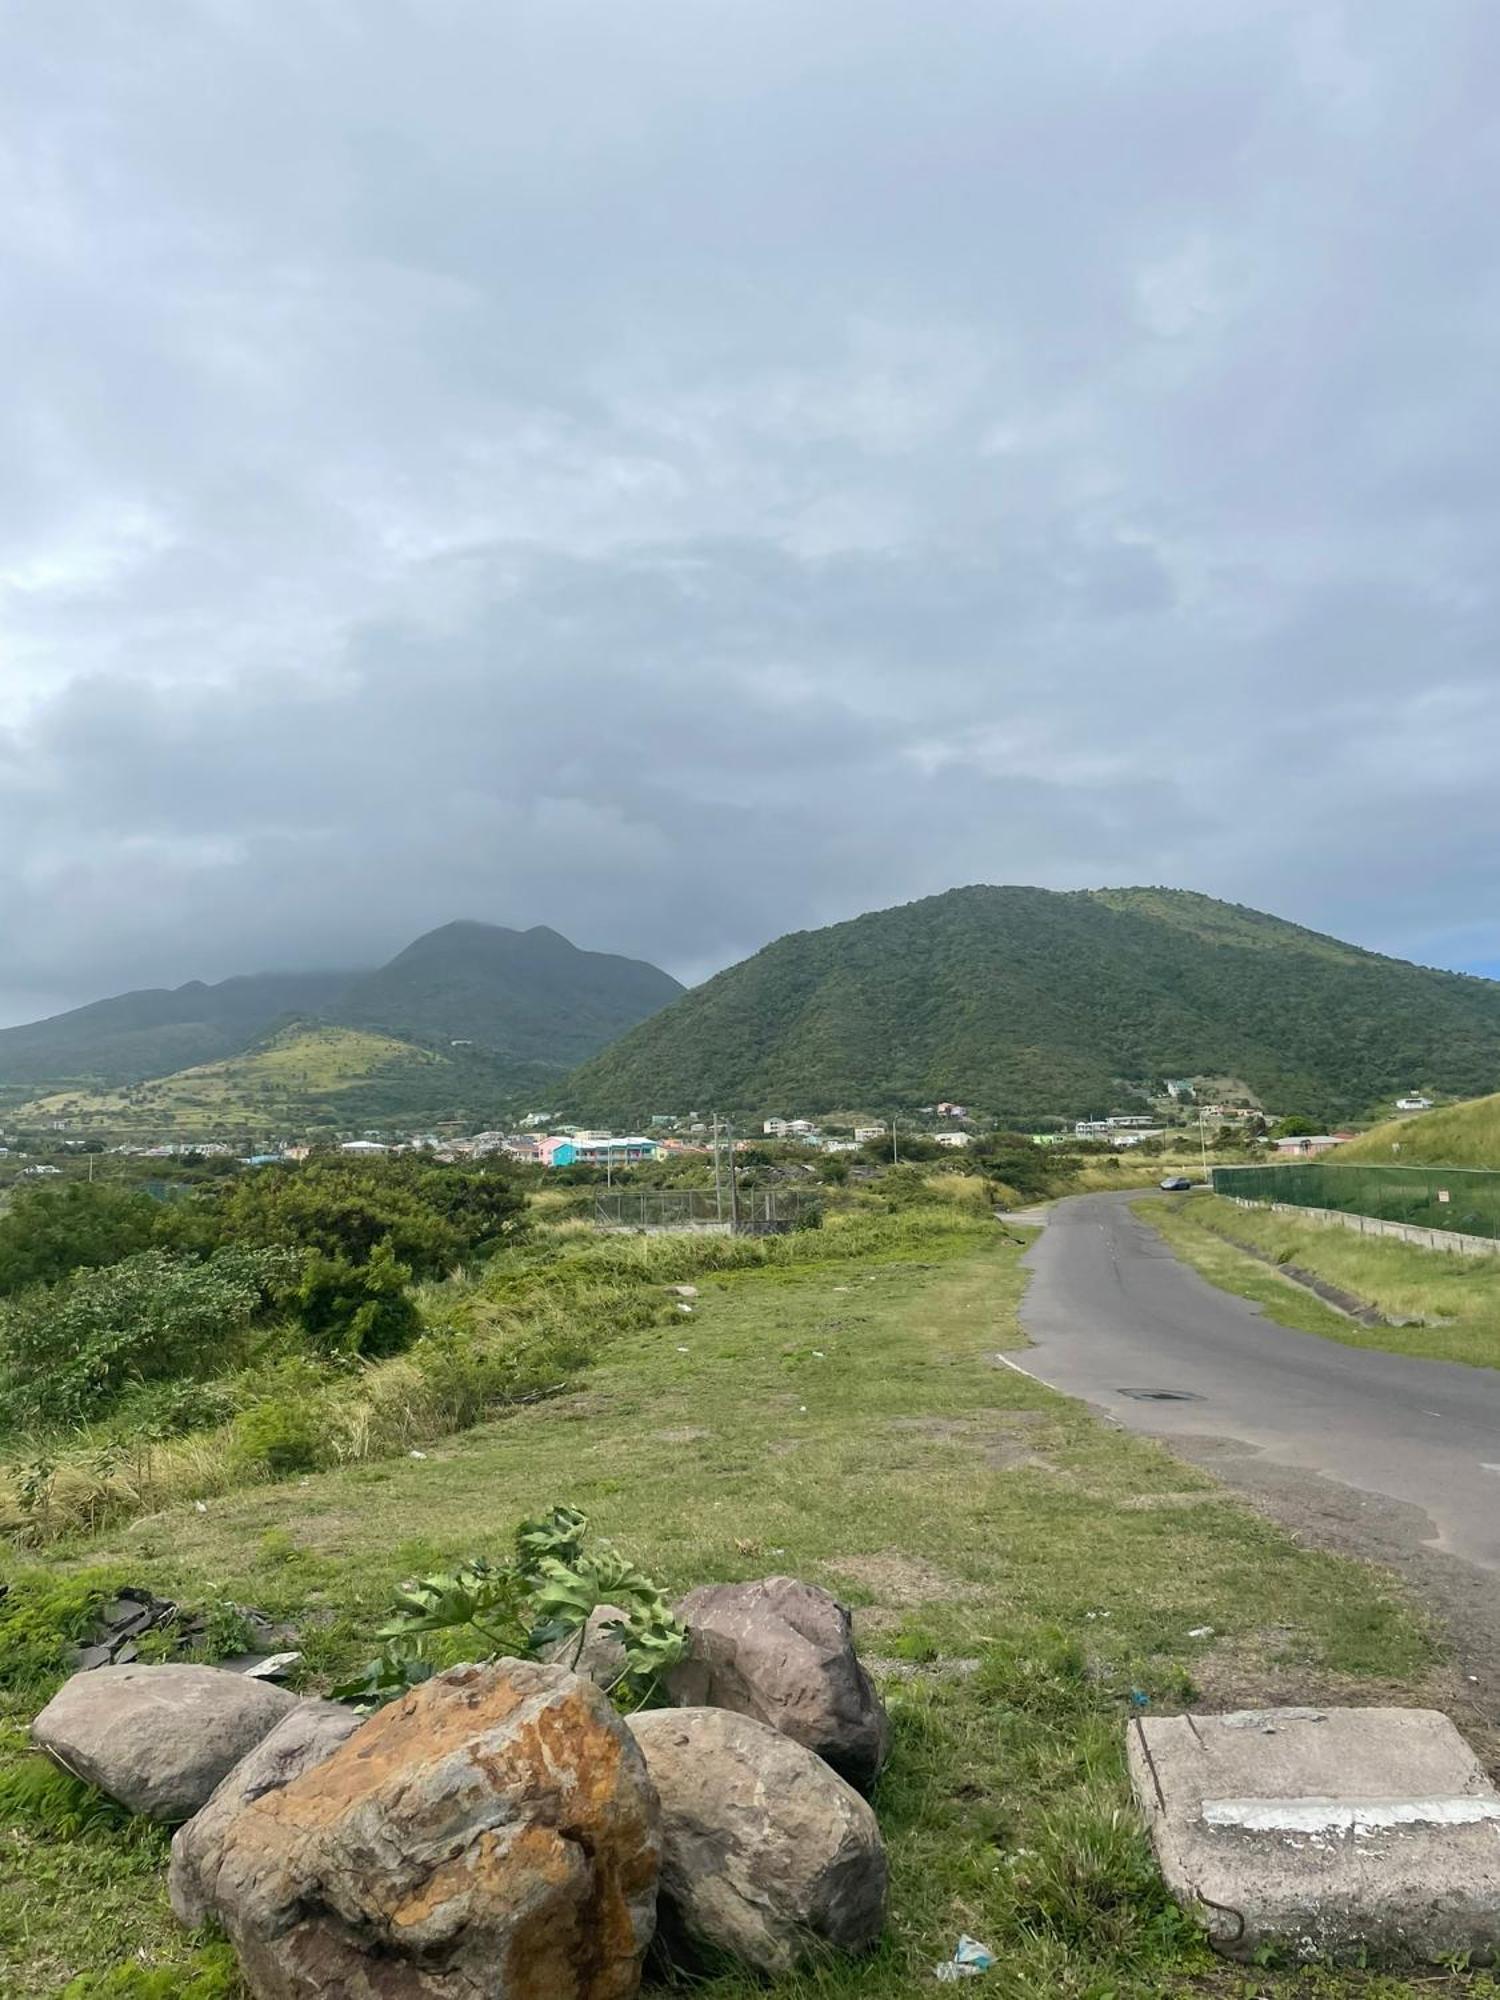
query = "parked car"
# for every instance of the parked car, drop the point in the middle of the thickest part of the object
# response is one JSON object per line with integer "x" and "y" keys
{"x": 1175, "y": 1183}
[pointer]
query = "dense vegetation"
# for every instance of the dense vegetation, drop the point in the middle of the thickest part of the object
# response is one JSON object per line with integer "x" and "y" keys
{"x": 1030, "y": 1001}
{"x": 120, "y": 1310}
{"x": 1454, "y": 1135}
{"x": 527, "y": 1001}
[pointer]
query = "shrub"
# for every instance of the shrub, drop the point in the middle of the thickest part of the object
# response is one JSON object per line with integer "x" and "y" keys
{"x": 432, "y": 1217}
{"x": 48, "y": 1233}
{"x": 71, "y": 1349}
{"x": 279, "y": 1438}
{"x": 42, "y": 1616}
{"x": 358, "y": 1309}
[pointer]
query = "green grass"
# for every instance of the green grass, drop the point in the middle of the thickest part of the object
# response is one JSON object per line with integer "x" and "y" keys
{"x": 1401, "y": 1279}
{"x": 295, "y": 1076}
{"x": 842, "y": 1420}
{"x": 1455, "y": 1135}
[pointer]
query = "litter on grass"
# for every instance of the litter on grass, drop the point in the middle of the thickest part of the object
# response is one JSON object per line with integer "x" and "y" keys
{"x": 969, "y": 1959}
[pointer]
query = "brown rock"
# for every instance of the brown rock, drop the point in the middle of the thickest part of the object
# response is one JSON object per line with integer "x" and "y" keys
{"x": 781, "y": 1651}
{"x": 766, "y": 1853}
{"x": 158, "y": 1739}
{"x": 491, "y": 1836}
{"x": 313, "y": 1731}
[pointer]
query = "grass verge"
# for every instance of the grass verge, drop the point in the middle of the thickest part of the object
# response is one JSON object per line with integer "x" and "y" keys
{"x": 1461, "y": 1294}
{"x": 1021, "y": 1574}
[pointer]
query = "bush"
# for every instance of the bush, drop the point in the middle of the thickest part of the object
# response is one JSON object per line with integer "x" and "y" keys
{"x": 281, "y": 1438}
{"x": 48, "y": 1233}
{"x": 358, "y": 1309}
{"x": 431, "y": 1217}
{"x": 71, "y": 1350}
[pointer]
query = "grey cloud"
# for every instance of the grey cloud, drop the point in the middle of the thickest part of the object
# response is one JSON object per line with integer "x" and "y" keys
{"x": 680, "y": 475}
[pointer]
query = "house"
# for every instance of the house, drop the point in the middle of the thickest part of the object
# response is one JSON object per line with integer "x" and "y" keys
{"x": 1131, "y": 1122}
{"x": 1121, "y": 1140}
{"x": 597, "y": 1149}
{"x": 950, "y": 1138}
{"x": 775, "y": 1128}
{"x": 1179, "y": 1087}
{"x": 1306, "y": 1148}
{"x": 1412, "y": 1102}
{"x": 953, "y": 1111}
{"x": 363, "y": 1146}
{"x": 863, "y": 1134}
{"x": 1091, "y": 1128}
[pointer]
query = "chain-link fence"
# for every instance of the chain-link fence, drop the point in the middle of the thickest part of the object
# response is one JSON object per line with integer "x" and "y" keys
{"x": 1466, "y": 1199}
{"x": 749, "y": 1212}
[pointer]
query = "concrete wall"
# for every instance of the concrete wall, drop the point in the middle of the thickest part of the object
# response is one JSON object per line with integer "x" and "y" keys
{"x": 1375, "y": 1225}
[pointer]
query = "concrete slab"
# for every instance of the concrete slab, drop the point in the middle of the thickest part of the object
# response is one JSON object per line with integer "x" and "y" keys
{"x": 1324, "y": 1832}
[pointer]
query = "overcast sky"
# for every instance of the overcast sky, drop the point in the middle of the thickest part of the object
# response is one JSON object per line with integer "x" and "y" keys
{"x": 687, "y": 471}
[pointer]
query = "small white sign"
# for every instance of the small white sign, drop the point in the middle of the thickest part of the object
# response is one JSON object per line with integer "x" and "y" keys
{"x": 1442, "y": 1194}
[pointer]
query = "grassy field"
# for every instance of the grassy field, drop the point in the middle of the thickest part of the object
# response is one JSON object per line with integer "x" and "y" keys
{"x": 1455, "y": 1135}
{"x": 1021, "y": 1573}
{"x": 1460, "y": 1294}
{"x": 295, "y": 1077}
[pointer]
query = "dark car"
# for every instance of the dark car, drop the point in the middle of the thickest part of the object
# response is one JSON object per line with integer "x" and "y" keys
{"x": 1175, "y": 1183}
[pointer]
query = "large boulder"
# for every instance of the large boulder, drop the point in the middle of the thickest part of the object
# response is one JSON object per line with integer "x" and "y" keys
{"x": 781, "y": 1651}
{"x": 491, "y": 1836}
{"x": 312, "y": 1732}
{"x": 159, "y": 1739}
{"x": 766, "y": 1853}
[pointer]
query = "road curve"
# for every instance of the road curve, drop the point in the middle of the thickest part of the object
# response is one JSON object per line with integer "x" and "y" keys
{"x": 1110, "y": 1310}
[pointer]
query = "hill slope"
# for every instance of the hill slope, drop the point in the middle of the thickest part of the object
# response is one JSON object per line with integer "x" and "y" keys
{"x": 150, "y": 1032}
{"x": 1029, "y": 1001}
{"x": 1455, "y": 1135}
{"x": 306, "y": 1074}
{"x": 529, "y": 996}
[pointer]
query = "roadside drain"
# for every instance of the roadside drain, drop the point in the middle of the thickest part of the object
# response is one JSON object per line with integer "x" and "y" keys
{"x": 1160, "y": 1395}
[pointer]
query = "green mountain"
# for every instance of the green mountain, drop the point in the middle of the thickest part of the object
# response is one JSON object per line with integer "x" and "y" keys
{"x": 527, "y": 1004}
{"x": 1032, "y": 1001}
{"x": 149, "y": 1033}
{"x": 528, "y": 996}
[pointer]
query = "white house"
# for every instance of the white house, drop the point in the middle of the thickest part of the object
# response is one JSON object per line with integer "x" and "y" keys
{"x": 863, "y": 1134}
{"x": 1413, "y": 1102}
{"x": 950, "y": 1138}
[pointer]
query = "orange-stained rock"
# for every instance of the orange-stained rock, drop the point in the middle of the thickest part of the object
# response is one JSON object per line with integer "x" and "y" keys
{"x": 493, "y": 1836}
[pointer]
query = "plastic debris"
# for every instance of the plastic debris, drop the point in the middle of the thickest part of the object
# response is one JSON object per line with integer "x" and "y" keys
{"x": 970, "y": 1958}
{"x": 271, "y": 1668}
{"x": 1200, "y": 1631}
{"x": 200, "y": 1506}
{"x": 683, "y": 1350}
{"x": 416, "y": 1454}
{"x": 683, "y": 1306}
{"x": 1139, "y": 1698}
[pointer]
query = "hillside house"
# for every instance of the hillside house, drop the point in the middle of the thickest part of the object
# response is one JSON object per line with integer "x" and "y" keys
{"x": 950, "y": 1139}
{"x": 1303, "y": 1148}
{"x": 1413, "y": 1102}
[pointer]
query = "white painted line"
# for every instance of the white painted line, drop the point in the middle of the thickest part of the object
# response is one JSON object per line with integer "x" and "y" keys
{"x": 1488, "y": 1468}
{"x": 1347, "y": 1815}
{"x": 1006, "y": 1362}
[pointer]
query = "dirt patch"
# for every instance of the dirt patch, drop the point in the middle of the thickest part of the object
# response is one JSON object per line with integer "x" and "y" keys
{"x": 900, "y": 1580}
{"x": 990, "y": 1433}
{"x": 582, "y": 1407}
{"x": 783, "y": 1447}
{"x": 682, "y": 1434}
{"x": 1156, "y": 1503}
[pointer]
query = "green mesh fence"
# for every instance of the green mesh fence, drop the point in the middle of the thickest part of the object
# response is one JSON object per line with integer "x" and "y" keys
{"x": 1461, "y": 1198}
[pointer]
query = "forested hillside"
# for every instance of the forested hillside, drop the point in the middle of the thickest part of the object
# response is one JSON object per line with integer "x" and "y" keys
{"x": 528, "y": 1003}
{"x": 1030, "y": 1001}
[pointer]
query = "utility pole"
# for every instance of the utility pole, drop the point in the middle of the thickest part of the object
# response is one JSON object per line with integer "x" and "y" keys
{"x": 718, "y": 1173}
{"x": 734, "y": 1184}
{"x": 895, "y": 1143}
{"x": 1202, "y": 1142}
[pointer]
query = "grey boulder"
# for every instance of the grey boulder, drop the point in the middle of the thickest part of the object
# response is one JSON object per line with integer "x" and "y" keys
{"x": 782, "y": 1652}
{"x": 311, "y": 1732}
{"x": 158, "y": 1738}
{"x": 767, "y": 1854}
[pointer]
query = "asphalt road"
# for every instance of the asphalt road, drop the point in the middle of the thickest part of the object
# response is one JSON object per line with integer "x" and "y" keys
{"x": 1415, "y": 1445}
